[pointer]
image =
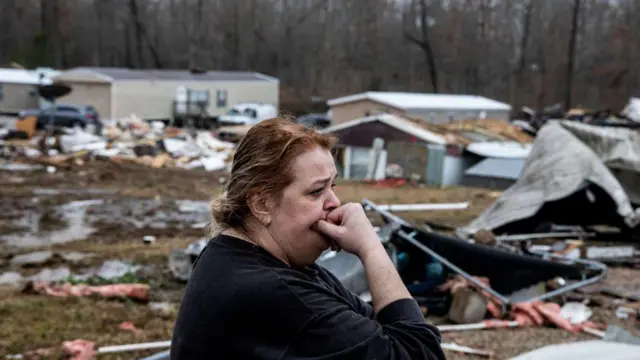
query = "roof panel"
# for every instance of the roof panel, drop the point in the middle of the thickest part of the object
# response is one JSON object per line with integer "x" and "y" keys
{"x": 21, "y": 76}
{"x": 177, "y": 75}
{"x": 497, "y": 168}
{"x": 407, "y": 101}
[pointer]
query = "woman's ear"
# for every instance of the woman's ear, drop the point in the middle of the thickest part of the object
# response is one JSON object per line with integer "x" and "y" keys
{"x": 261, "y": 207}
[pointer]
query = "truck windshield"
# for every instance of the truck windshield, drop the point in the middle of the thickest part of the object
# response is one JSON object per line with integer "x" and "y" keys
{"x": 246, "y": 112}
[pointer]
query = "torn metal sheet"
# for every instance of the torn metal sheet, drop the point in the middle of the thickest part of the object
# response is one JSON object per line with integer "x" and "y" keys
{"x": 555, "y": 235}
{"x": 561, "y": 174}
{"x": 617, "y": 148}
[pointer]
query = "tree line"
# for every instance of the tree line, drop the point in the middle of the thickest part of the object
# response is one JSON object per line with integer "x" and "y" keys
{"x": 525, "y": 52}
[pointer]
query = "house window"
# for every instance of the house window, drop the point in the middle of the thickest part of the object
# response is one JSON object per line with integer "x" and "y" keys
{"x": 221, "y": 98}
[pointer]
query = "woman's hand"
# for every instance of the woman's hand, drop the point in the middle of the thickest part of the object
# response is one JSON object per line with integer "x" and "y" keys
{"x": 350, "y": 228}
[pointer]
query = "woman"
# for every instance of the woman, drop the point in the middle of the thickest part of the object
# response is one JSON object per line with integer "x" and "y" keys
{"x": 256, "y": 292}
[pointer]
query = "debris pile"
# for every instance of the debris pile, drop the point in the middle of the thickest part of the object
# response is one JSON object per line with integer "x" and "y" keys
{"x": 129, "y": 140}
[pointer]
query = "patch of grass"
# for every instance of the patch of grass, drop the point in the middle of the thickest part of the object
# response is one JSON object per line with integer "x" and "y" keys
{"x": 39, "y": 321}
{"x": 128, "y": 278}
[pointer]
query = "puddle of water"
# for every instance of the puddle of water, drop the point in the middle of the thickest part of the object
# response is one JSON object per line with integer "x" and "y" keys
{"x": 73, "y": 214}
{"x": 83, "y": 218}
{"x": 153, "y": 214}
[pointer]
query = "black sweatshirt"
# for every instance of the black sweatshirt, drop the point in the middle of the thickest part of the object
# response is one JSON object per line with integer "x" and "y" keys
{"x": 243, "y": 303}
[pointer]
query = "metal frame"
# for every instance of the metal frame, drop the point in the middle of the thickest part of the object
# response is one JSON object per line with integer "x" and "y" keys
{"x": 502, "y": 299}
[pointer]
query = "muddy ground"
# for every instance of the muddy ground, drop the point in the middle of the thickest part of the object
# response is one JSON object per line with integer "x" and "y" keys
{"x": 105, "y": 210}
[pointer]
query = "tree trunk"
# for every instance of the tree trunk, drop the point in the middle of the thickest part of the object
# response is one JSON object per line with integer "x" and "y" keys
{"x": 571, "y": 54}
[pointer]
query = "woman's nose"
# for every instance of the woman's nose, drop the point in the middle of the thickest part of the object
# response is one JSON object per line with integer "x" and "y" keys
{"x": 332, "y": 203}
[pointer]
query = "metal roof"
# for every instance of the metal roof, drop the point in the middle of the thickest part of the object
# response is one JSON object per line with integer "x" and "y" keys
{"x": 407, "y": 101}
{"x": 394, "y": 121}
{"x": 500, "y": 149}
{"x": 29, "y": 77}
{"x": 114, "y": 74}
{"x": 497, "y": 168}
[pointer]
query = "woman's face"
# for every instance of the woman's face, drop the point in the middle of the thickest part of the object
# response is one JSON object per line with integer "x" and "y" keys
{"x": 306, "y": 200}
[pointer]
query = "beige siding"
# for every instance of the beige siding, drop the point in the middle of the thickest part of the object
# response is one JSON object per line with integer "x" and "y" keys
{"x": 95, "y": 94}
{"x": 80, "y": 77}
{"x": 154, "y": 99}
{"x": 16, "y": 97}
{"x": 358, "y": 109}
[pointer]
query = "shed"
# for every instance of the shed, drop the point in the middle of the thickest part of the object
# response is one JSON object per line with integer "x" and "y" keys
{"x": 151, "y": 94}
{"x": 19, "y": 89}
{"x": 494, "y": 173}
{"x": 434, "y": 108}
{"x": 420, "y": 152}
{"x": 438, "y": 154}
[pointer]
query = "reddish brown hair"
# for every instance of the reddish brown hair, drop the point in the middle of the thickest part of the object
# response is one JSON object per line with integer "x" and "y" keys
{"x": 262, "y": 163}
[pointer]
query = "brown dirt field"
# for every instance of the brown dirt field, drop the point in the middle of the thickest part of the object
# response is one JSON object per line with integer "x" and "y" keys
{"x": 30, "y": 322}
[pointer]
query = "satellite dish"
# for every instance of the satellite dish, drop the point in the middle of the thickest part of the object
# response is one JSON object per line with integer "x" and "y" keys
{"x": 53, "y": 91}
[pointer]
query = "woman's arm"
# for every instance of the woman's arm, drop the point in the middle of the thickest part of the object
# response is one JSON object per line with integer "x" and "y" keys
{"x": 385, "y": 283}
{"x": 337, "y": 331}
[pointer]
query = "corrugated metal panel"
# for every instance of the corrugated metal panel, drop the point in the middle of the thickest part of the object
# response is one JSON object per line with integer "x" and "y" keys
{"x": 435, "y": 164}
{"x": 497, "y": 168}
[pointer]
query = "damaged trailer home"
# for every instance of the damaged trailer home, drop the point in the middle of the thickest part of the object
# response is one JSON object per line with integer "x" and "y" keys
{"x": 435, "y": 154}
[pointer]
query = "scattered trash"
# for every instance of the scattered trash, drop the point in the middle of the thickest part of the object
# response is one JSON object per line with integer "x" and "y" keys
{"x": 114, "y": 269}
{"x": 576, "y": 313}
{"x": 51, "y": 275}
{"x": 79, "y": 349}
{"x": 134, "y": 347}
{"x": 624, "y": 312}
{"x": 148, "y": 239}
{"x": 133, "y": 291}
{"x": 11, "y": 279}
{"x": 32, "y": 259}
{"x": 181, "y": 261}
{"x": 465, "y": 349}
{"x": 128, "y": 326}
{"x": 163, "y": 309}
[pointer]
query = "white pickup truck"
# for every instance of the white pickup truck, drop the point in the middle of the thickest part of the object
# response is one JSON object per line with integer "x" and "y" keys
{"x": 248, "y": 114}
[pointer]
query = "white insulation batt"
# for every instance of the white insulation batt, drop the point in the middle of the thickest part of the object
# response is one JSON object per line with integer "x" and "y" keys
{"x": 584, "y": 350}
{"x": 563, "y": 157}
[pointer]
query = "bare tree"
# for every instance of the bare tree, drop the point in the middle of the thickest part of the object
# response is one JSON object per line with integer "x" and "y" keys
{"x": 526, "y": 52}
{"x": 422, "y": 42}
{"x": 572, "y": 53}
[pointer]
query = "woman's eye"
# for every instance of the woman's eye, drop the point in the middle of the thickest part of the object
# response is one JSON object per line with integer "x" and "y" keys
{"x": 316, "y": 192}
